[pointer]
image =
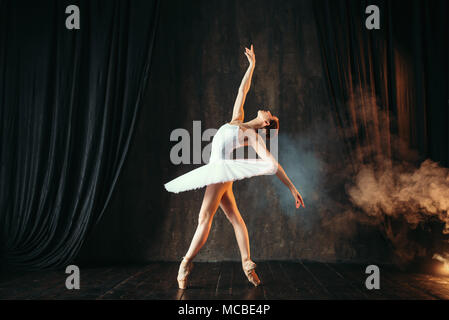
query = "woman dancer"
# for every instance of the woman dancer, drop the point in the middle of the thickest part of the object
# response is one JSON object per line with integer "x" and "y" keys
{"x": 219, "y": 174}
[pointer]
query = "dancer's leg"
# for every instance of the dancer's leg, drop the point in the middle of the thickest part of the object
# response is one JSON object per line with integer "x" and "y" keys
{"x": 241, "y": 233}
{"x": 210, "y": 204}
{"x": 229, "y": 207}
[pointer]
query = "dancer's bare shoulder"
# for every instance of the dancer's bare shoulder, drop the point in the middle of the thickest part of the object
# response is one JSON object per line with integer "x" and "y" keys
{"x": 238, "y": 123}
{"x": 242, "y": 126}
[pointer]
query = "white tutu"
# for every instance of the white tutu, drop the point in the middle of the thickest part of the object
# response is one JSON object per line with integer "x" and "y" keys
{"x": 221, "y": 169}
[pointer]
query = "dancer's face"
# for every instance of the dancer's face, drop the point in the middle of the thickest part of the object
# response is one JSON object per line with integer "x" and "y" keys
{"x": 265, "y": 116}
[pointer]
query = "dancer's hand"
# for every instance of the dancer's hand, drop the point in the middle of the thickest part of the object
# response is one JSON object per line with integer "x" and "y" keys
{"x": 251, "y": 56}
{"x": 298, "y": 198}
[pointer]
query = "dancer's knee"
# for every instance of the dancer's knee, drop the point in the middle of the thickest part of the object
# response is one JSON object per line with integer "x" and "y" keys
{"x": 234, "y": 219}
{"x": 238, "y": 221}
{"x": 205, "y": 217}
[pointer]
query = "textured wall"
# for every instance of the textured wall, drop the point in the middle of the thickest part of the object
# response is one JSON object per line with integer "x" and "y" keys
{"x": 197, "y": 68}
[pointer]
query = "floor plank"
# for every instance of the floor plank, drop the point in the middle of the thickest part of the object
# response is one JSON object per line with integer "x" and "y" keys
{"x": 136, "y": 285}
{"x": 355, "y": 274}
{"x": 162, "y": 284}
{"x": 415, "y": 287}
{"x": 203, "y": 281}
{"x": 223, "y": 290}
{"x": 336, "y": 285}
{"x": 390, "y": 288}
{"x": 95, "y": 283}
{"x": 276, "y": 283}
{"x": 269, "y": 285}
{"x": 33, "y": 285}
{"x": 303, "y": 282}
{"x": 281, "y": 280}
{"x": 437, "y": 286}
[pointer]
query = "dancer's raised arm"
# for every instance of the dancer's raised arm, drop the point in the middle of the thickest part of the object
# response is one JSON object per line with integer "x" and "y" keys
{"x": 259, "y": 146}
{"x": 238, "y": 113}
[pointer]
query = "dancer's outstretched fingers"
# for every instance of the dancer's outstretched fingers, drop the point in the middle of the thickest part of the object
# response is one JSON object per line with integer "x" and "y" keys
{"x": 301, "y": 201}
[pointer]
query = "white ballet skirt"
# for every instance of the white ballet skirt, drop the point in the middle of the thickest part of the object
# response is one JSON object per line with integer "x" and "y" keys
{"x": 221, "y": 168}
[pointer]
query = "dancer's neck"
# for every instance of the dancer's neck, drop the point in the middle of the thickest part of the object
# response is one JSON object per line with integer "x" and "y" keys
{"x": 255, "y": 123}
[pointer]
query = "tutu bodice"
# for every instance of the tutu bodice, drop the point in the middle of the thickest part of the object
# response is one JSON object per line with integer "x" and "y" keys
{"x": 221, "y": 167}
{"x": 224, "y": 142}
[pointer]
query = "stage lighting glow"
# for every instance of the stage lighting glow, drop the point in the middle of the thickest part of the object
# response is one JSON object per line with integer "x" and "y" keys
{"x": 443, "y": 268}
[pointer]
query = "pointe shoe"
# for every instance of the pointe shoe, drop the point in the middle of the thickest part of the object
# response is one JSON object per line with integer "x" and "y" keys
{"x": 248, "y": 268}
{"x": 184, "y": 270}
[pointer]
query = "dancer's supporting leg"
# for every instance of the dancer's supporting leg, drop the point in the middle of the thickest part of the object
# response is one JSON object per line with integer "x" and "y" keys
{"x": 211, "y": 201}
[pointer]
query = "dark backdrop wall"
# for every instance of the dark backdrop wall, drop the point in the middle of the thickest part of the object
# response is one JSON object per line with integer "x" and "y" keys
{"x": 198, "y": 65}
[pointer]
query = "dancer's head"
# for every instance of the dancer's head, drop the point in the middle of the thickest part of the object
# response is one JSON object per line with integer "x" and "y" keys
{"x": 268, "y": 122}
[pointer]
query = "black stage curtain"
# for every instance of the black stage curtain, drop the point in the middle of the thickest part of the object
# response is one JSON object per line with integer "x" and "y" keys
{"x": 388, "y": 83}
{"x": 69, "y": 102}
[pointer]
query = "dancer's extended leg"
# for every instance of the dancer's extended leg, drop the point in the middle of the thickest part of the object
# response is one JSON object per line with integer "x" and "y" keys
{"x": 229, "y": 207}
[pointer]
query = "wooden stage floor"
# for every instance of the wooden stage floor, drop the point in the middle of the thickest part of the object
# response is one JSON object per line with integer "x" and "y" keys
{"x": 225, "y": 280}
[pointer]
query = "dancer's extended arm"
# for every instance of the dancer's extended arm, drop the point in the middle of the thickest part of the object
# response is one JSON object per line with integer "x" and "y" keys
{"x": 259, "y": 146}
{"x": 238, "y": 113}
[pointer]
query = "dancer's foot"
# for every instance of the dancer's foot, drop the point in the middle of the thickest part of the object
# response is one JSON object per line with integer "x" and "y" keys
{"x": 185, "y": 268}
{"x": 248, "y": 268}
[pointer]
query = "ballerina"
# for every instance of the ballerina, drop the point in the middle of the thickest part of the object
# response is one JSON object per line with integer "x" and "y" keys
{"x": 218, "y": 175}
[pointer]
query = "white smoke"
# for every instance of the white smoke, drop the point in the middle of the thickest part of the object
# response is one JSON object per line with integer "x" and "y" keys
{"x": 395, "y": 190}
{"x": 390, "y": 186}
{"x": 358, "y": 173}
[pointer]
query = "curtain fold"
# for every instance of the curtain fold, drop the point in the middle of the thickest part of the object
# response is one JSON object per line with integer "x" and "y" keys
{"x": 388, "y": 87}
{"x": 69, "y": 100}
{"x": 389, "y": 94}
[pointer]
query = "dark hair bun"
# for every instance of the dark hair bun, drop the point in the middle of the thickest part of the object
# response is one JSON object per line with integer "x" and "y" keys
{"x": 274, "y": 124}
